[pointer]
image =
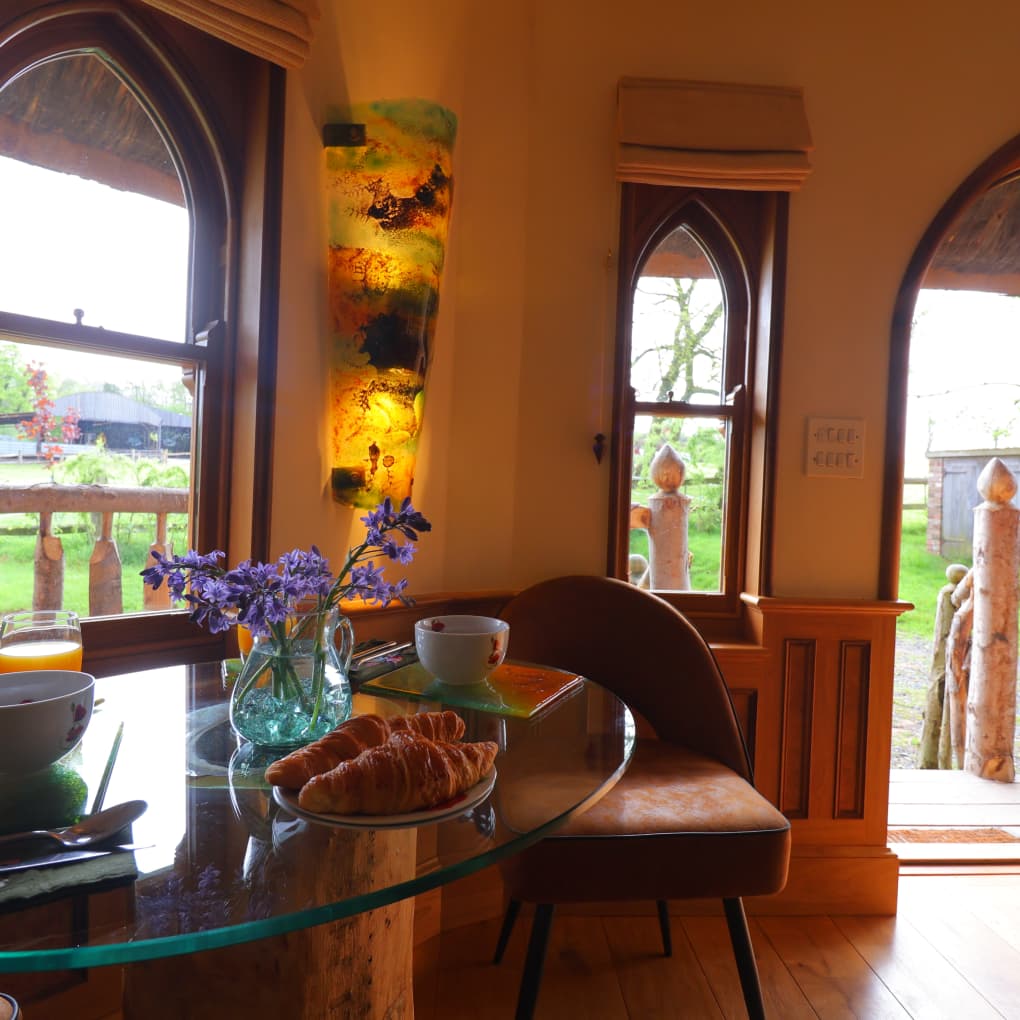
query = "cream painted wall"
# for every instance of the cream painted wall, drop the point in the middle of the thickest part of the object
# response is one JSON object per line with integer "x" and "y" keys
{"x": 903, "y": 99}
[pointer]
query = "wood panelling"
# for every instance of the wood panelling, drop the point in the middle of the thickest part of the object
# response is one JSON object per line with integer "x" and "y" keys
{"x": 852, "y": 729}
{"x": 798, "y": 710}
{"x": 832, "y": 666}
{"x": 745, "y": 704}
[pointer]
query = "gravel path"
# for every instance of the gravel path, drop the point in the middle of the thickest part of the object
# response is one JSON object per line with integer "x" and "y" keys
{"x": 910, "y": 691}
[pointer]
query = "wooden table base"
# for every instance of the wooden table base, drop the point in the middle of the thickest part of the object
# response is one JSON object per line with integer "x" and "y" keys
{"x": 359, "y": 967}
{"x": 353, "y": 968}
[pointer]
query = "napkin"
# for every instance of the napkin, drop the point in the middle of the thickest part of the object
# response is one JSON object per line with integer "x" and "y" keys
{"x": 64, "y": 871}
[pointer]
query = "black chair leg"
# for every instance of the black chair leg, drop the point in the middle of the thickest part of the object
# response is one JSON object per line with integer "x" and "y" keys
{"x": 513, "y": 908}
{"x": 667, "y": 938}
{"x": 740, "y": 938}
{"x": 535, "y": 961}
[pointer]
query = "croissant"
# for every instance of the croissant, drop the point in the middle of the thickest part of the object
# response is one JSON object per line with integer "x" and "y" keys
{"x": 352, "y": 737}
{"x": 408, "y": 773}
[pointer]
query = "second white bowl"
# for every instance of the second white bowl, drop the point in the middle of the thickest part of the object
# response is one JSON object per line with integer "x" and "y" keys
{"x": 461, "y": 650}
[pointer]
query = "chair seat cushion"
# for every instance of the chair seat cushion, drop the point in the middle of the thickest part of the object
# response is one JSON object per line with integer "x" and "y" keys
{"x": 677, "y": 825}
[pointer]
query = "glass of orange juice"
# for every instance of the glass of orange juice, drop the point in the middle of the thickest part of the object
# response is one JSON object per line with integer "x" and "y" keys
{"x": 40, "y": 639}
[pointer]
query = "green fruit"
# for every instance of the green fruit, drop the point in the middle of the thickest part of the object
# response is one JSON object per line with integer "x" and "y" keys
{"x": 44, "y": 800}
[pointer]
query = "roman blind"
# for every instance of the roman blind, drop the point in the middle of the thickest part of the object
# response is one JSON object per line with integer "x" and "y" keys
{"x": 277, "y": 30}
{"x": 712, "y": 134}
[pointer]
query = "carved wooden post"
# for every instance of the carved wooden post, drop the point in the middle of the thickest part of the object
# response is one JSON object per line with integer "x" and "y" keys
{"x": 48, "y": 586}
{"x": 157, "y": 598}
{"x": 991, "y": 702}
{"x": 106, "y": 594}
{"x": 957, "y": 675}
{"x": 665, "y": 519}
{"x": 928, "y": 758}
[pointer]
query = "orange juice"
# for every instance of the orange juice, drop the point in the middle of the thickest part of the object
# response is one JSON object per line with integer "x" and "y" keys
{"x": 244, "y": 640}
{"x": 49, "y": 654}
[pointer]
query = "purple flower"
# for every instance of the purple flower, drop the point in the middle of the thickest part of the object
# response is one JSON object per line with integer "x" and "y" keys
{"x": 261, "y": 596}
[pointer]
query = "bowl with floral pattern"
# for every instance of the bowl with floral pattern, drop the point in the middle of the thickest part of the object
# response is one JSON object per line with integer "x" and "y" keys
{"x": 461, "y": 649}
{"x": 43, "y": 715}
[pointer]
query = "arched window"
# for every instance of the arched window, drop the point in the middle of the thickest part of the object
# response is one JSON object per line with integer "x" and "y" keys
{"x": 691, "y": 270}
{"x": 122, "y": 177}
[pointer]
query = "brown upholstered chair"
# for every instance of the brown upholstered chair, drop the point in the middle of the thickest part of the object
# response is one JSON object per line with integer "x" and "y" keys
{"x": 685, "y": 821}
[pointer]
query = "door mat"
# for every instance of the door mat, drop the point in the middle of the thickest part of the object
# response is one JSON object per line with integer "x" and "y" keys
{"x": 952, "y": 836}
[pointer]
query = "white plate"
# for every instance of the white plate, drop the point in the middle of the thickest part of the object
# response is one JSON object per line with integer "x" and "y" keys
{"x": 467, "y": 800}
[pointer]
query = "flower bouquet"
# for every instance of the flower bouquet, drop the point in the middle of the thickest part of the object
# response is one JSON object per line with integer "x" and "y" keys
{"x": 293, "y": 686}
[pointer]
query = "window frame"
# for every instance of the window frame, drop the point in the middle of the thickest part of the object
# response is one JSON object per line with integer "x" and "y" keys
{"x": 201, "y": 107}
{"x": 743, "y": 235}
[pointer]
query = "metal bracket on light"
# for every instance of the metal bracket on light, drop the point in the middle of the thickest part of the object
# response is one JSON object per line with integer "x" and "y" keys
{"x": 343, "y": 135}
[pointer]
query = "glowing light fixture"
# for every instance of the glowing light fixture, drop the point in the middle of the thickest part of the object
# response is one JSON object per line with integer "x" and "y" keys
{"x": 389, "y": 190}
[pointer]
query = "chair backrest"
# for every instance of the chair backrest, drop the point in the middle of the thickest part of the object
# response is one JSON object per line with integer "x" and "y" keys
{"x": 641, "y": 648}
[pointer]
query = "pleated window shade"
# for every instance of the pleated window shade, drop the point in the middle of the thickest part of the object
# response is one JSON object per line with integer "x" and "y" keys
{"x": 277, "y": 30}
{"x": 712, "y": 135}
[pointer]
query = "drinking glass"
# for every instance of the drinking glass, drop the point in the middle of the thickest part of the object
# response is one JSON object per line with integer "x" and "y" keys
{"x": 40, "y": 639}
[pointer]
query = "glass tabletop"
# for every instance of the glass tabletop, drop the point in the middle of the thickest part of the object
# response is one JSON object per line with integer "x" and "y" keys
{"x": 219, "y": 860}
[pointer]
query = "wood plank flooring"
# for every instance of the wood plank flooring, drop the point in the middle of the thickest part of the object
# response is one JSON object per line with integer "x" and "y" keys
{"x": 953, "y": 950}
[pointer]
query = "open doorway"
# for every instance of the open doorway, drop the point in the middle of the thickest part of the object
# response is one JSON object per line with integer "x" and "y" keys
{"x": 956, "y": 366}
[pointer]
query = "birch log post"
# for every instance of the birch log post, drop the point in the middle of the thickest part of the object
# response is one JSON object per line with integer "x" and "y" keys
{"x": 954, "y": 727}
{"x": 928, "y": 757}
{"x": 991, "y": 700}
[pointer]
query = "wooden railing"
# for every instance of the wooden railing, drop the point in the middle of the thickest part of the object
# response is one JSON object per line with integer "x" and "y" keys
{"x": 105, "y": 571}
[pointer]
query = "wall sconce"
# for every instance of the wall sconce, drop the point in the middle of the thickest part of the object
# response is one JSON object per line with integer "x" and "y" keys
{"x": 389, "y": 190}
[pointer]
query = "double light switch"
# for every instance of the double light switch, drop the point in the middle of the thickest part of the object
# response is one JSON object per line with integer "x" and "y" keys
{"x": 835, "y": 447}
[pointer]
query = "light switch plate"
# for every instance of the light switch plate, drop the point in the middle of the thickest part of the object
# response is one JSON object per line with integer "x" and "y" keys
{"x": 834, "y": 448}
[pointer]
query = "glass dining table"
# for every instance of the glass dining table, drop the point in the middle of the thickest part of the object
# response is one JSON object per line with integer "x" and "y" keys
{"x": 221, "y": 877}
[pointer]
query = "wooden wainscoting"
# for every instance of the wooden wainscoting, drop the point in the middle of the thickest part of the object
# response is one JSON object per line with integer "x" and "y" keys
{"x": 822, "y": 741}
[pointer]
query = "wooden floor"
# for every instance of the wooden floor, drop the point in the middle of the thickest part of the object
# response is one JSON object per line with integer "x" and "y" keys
{"x": 952, "y": 951}
{"x": 930, "y": 799}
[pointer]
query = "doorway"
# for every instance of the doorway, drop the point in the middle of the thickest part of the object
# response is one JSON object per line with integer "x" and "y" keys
{"x": 954, "y": 405}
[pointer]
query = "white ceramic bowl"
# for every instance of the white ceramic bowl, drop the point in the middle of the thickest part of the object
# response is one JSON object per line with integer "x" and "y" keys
{"x": 43, "y": 715}
{"x": 461, "y": 649}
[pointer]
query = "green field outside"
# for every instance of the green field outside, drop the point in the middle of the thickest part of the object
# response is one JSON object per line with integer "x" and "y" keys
{"x": 133, "y": 534}
{"x": 922, "y": 576}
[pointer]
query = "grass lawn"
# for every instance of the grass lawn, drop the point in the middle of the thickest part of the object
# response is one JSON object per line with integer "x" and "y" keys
{"x": 704, "y": 547}
{"x": 16, "y": 563}
{"x": 922, "y": 575}
{"x": 132, "y": 532}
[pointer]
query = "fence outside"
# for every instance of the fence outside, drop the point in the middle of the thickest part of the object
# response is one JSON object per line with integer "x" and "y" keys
{"x": 105, "y": 569}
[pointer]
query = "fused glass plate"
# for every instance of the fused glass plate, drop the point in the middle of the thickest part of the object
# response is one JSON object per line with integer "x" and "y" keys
{"x": 514, "y": 688}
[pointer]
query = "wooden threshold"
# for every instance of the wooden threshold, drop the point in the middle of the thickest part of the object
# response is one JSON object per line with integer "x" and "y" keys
{"x": 940, "y": 800}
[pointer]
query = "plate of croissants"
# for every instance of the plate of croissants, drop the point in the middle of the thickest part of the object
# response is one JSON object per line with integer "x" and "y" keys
{"x": 386, "y": 772}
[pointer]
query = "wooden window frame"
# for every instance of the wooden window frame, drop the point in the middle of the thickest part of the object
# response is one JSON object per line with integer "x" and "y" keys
{"x": 743, "y": 234}
{"x": 207, "y": 99}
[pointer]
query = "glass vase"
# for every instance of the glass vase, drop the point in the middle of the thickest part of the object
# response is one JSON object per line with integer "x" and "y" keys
{"x": 294, "y": 685}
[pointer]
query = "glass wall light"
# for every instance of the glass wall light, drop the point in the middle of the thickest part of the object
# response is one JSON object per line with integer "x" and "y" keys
{"x": 389, "y": 191}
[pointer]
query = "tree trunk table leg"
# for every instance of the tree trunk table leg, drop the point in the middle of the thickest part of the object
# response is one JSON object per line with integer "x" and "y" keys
{"x": 357, "y": 967}
{"x": 353, "y": 968}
